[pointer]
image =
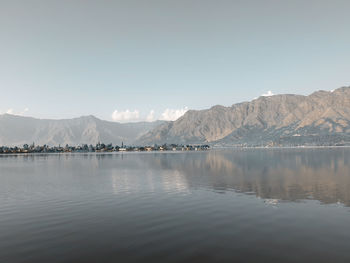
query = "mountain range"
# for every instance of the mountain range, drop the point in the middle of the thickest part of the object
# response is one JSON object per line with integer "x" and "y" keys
{"x": 322, "y": 118}
{"x": 19, "y": 130}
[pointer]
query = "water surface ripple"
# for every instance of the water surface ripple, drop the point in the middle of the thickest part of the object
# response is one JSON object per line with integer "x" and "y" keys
{"x": 227, "y": 205}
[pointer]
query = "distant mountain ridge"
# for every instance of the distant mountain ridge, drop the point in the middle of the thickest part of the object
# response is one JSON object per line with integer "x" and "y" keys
{"x": 322, "y": 118}
{"x": 19, "y": 130}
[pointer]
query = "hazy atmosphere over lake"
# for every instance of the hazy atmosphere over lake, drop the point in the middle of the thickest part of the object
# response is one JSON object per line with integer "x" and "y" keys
{"x": 174, "y": 131}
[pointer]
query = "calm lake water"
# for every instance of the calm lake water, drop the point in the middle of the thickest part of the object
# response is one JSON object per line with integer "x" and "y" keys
{"x": 249, "y": 205}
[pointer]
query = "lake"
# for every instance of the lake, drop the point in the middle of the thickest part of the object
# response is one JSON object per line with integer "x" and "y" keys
{"x": 222, "y": 205}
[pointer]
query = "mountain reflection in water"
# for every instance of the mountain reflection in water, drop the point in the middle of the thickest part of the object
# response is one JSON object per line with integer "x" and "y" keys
{"x": 224, "y": 205}
{"x": 287, "y": 175}
{"x": 278, "y": 174}
{"x": 282, "y": 174}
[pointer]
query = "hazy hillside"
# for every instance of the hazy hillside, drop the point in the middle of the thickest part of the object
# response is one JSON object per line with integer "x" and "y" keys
{"x": 18, "y": 130}
{"x": 322, "y": 118}
{"x": 318, "y": 119}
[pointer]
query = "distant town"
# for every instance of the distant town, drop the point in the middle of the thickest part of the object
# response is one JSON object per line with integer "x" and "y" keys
{"x": 100, "y": 147}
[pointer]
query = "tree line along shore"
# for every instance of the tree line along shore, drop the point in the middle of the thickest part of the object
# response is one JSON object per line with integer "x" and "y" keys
{"x": 100, "y": 147}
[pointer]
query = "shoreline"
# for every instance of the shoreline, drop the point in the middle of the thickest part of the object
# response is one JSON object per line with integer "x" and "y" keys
{"x": 174, "y": 152}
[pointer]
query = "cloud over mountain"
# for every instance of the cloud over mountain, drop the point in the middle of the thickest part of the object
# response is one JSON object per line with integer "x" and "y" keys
{"x": 126, "y": 116}
{"x": 136, "y": 115}
{"x": 173, "y": 114}
{"x": 13, "y": 112}
{"x": 151, "y": 116}
{"x": 268, "y": 94}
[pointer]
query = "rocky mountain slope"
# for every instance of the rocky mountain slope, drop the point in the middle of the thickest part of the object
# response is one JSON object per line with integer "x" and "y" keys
{"x": 18, "y": 130}
{"x": 322, "y": 118}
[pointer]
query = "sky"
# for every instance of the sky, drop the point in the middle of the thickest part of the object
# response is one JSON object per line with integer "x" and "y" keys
{"x": 146, "y": 60}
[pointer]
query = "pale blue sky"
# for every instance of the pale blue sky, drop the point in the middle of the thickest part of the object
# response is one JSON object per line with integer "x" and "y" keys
{"x": 67, "y": 58}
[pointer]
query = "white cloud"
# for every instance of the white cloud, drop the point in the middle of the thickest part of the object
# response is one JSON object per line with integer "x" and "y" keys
{"x": 268, "y": 94}
{"x": 126, "y": 116}
{"x": 173, "y": 114}
{"x": 136, "y": 115}
{"x": 10, "y": 111}
{"x": 13, "y": 112}
{"x": 150, "y": 116}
